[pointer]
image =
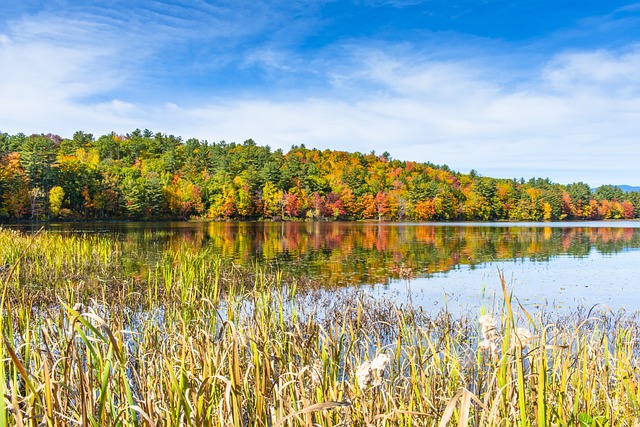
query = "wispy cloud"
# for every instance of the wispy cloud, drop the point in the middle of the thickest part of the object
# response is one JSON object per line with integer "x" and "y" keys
{"x": 633, "y": 7}
{"x": 601, "y": 71}
{"x": 446, "y": 113}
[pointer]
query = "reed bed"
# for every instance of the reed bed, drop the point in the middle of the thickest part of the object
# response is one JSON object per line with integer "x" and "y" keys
{"x": 93, "y": 337}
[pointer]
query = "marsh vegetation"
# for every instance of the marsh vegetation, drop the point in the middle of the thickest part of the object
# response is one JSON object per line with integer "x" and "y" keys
{"x": 92, "y": 336}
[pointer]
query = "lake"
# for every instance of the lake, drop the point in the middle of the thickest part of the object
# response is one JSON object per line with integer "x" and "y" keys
{"x": 556, "y": 266}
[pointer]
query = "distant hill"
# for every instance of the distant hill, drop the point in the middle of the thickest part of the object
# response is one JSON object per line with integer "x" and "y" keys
{"x": 628, "y": 188}
{"x": 624, "y": 188}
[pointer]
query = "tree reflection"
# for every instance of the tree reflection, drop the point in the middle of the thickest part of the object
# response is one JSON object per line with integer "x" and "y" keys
{"x": 353, "y": 253}
{"x": 346, "y": 253}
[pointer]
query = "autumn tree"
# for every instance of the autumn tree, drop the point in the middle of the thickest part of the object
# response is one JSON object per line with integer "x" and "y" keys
{"x": 424, "y": 210}
{"x": 272, "y": 200}
{"x": 628, "y": 210}
{"x": 382, "y": 204}
{"x": 184, "y": 198}
{"x": 291, "y": 205}
{"x": 56, "y": 196}
{"x": 14, "y": 187}
{"x": 145, "y": 174}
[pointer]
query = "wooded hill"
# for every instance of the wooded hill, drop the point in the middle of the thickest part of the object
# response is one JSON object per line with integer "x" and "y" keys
{"x": 143, "y": 175}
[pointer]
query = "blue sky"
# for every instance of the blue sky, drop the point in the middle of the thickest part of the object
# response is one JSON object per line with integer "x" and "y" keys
{"x": 510, "y": 88}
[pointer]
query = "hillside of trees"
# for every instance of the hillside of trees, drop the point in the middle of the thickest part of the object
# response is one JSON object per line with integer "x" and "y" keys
{"x": 143, "y": 175}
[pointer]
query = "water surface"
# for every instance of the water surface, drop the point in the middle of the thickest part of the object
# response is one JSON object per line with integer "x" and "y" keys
{"x": 551, "y": 265}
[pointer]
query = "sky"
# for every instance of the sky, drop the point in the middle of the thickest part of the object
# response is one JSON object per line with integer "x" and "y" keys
{"x": 508, "y": 88}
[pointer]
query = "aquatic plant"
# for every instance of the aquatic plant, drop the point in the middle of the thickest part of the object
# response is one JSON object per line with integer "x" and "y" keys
{"x": 195, "y": 341}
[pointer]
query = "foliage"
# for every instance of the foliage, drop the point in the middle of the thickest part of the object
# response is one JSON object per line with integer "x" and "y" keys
{"x": 147, "y": 175}
{"x": 56, "y": 196}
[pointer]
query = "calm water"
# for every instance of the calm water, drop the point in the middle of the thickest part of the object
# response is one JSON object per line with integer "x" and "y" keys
{"x": 556, "y": 266}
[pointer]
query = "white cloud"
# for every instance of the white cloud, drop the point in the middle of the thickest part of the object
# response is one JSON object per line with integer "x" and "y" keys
{"x": 116, "y": 107}
{"x": 51, "y": 66}
{"x": 447, "y": 113}
{"x": 600, "y": 71}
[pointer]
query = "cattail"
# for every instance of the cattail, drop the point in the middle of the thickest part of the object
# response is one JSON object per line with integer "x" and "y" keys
{"x": 363, "y": 374}
{"x": 372, "y": 373}
{"x": 488, "y": 346}
{"x": 523, "y": 336}
{"x": 488, "y": 324}
{"x": 316, "y": 373}
{"x": 377, "y": 368}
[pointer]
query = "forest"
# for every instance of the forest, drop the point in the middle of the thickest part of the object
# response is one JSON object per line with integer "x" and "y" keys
{"x": 144, "y": 175}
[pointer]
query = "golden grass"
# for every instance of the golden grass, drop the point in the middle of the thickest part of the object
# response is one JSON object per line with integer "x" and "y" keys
{"x": 90, "y": 340}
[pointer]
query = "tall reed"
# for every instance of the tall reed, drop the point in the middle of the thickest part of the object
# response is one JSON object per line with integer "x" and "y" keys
{"x": 94, "y": 336}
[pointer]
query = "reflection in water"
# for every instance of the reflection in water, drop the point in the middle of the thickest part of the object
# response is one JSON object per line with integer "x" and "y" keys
{"x": 370, "y": 253}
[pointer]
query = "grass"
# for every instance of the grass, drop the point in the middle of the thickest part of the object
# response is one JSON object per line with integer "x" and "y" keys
{"x": 95, "y": 335}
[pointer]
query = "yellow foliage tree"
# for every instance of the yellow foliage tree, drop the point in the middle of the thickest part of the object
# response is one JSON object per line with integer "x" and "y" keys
{"x": 546, "y": 211}
{"x": 56, "y": 196}
{"x": 271, "y": 199}
{"x": 424, "y": 210}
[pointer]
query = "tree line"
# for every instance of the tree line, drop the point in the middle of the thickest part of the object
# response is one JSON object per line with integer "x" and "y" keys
{"x": 142, "y": 175}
